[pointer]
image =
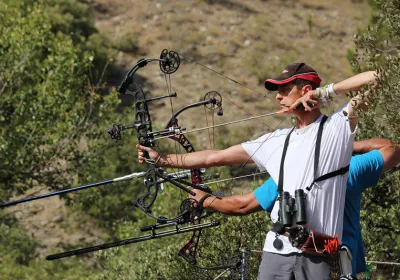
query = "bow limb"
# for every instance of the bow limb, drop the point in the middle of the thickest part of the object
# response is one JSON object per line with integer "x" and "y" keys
{"x": 189, "y": 250}
{"x": 143, "y": 127}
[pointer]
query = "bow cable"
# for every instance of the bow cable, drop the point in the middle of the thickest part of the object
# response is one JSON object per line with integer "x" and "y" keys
{"x": 222, "y": 124}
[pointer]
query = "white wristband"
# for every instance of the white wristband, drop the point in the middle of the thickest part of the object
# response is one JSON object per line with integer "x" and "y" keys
{"x": 318, "y": 90}
{"x": 321, "y": 93}
{"x": 331, "y": 91}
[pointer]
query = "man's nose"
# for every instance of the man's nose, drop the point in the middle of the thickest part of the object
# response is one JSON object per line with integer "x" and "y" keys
{"x": 278, "y": 96}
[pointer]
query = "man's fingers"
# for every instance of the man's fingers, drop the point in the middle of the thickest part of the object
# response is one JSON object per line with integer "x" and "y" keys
{"x": 306, "y": 106}
{"x": 315, "y": 105}
{"x": 143, "y": 148}
{"x": 312, "y": 101}
{"x": 295, "y": 104}
{"x": 312, "y": 104}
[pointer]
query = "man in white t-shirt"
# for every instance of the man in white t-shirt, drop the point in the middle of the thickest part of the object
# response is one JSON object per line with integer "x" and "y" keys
{"x": 297, "y": 85}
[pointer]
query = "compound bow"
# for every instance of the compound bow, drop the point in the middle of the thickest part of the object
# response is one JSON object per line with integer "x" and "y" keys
{"x": 191, "y": 210}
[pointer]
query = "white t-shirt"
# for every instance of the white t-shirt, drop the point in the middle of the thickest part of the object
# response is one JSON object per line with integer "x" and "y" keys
{"x": 325, "y": 201}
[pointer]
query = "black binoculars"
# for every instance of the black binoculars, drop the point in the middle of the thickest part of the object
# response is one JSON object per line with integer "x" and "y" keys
{"x": 289, "y": 206}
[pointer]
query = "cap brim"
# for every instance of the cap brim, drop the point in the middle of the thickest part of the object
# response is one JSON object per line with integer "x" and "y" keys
{"x": 272, "y": 84}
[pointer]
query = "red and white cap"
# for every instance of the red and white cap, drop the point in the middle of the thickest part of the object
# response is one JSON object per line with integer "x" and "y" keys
{"x": 291, "y": 73}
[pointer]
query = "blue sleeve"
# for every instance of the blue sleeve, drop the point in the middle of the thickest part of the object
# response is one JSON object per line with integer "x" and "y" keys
{"x": 365, "y": 170}
{"x": 266, "y": 194}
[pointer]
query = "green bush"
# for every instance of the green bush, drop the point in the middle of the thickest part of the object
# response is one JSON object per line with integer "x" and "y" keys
{"x": 377, "y": 48}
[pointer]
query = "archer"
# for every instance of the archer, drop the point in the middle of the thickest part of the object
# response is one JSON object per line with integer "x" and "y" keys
{"x": 299, "y": 160}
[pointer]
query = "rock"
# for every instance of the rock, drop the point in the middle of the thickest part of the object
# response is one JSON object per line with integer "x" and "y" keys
{"x": 58, "y": 219}
{"x": 247, "y": 43}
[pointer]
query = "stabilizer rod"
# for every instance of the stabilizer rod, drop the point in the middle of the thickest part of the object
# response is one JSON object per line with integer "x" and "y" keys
{"x": 153, "y": 235}
{"x": 182, "y": 174}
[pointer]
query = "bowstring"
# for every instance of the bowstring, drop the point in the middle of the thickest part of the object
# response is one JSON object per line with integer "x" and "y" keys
{"x": 218, "y": 73}
{"x": 178, "y": 148}
{"x": 208, "y": 127}
{"x": 247, "y": 112}
{"x": 211, "y": 134}
{"x": 240, "y": 107}
{"x": 229, "y": 184}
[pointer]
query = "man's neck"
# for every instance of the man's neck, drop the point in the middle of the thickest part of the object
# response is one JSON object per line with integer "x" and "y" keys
{"x": 306, "y": 118}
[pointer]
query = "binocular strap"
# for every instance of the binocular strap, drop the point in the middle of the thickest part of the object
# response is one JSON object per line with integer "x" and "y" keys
{"x": 338, "y": 172}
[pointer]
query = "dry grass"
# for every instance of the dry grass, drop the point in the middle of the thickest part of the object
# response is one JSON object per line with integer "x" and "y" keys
{"x": 245, "y": 40}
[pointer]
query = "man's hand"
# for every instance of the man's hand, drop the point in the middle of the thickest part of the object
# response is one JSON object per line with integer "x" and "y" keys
{"x": 309, "y": 101}
{"x": 199, "y": 194}
{"x": 153, "y": 154}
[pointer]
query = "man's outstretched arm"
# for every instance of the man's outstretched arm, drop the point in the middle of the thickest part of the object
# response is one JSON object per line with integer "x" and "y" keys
{"x": 365, "y": 146}
{"x": 390, "y": 152}
{"x": 233, "y": 205}
{"x": 263, "y": 198}
{"x": 391, "y": 156}
{"x": 207, "y": 158}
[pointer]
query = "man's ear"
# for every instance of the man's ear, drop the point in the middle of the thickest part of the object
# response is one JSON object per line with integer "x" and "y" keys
{"x": 305, "y": 89}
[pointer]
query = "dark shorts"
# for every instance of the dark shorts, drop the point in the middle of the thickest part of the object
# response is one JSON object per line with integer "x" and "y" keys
{"x": 293, "y": 266}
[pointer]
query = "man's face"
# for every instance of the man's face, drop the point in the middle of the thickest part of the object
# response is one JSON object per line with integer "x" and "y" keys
{"x": 287, "y": 94}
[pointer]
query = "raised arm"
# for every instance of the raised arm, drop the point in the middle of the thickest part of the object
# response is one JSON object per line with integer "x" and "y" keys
{"x": 207, "y": 158}
{"x": 355, "y": 83}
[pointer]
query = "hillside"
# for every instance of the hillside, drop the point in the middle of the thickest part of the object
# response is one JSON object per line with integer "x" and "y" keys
{"x": 247, "y": 41}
